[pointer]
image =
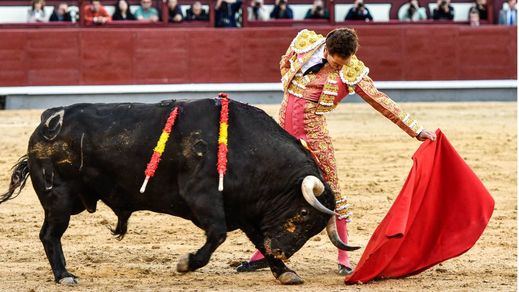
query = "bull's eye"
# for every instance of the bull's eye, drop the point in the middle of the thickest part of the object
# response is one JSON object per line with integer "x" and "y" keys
{"x": 304, "y": 212}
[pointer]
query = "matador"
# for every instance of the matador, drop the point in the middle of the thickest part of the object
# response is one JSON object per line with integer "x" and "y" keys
{"x": 317, "y": 73}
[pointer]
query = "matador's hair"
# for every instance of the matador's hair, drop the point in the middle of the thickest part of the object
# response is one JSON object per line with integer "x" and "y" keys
{"x": 342, "y": 41}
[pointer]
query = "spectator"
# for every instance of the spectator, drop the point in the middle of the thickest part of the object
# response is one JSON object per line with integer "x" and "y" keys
{"x": 481, "y": 7}
{"x": 147, "y": 13}
{"x": 508, "y": 15}
{"x": 61, "y": 13}
{"x": 282, "y": 10}
{"x": 474, "y": 16}
{"x": 174, "y": 11}
{"x": 359, "y": 12}
{"x": 37, "y": 12}
{"x": 412, "y": 11}
{"x": 196, "y": 12}
{"x": 258, "y": 11}
{"x": 444, "y": 11}
{"x": 225, "y": 12}
{"x": 95, "y": 13}
{"x": 122, "y": 11}
{"x": 317, "y": 11}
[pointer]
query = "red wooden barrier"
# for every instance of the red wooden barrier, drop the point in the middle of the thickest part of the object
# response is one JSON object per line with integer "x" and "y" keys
{"x": 104, "y": 55}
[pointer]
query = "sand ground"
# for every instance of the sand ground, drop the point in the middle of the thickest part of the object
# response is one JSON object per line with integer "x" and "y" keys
{"x": 374, "y": 158}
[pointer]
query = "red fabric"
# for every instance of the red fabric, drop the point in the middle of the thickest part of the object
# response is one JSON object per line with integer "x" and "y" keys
{"x": 440, "y": 213}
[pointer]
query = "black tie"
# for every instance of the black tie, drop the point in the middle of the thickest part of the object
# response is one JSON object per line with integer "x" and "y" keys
{"x": 315, "y": 68}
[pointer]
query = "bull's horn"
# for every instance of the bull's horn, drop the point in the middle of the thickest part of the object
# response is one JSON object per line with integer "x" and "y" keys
{"x": 312, "y": 187}
{"x": 331, "y": 229}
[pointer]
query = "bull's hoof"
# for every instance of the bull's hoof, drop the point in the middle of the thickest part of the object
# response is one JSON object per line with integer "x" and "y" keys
{"x": 290, "y": 278}
{"x": 183, "y": 264}
{"x": 69, "y": 281}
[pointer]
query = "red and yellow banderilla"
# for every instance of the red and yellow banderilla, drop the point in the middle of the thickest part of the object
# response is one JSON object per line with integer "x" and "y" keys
{"x": 159, "y": 149}
{"x": 222, "y": 143}
{"x": 223, "y": 139}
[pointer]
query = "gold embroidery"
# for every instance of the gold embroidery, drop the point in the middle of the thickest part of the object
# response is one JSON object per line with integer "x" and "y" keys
{"x": 306, "y": 40}
{"x": 282, "y": 111}
{"x": 298, "y": 85}
{"x": 320, "y": 143}
{"x": 295, "y": 69}
{"x": 330, "y": 91}
{"x": 353, "y": 73}
{"x": 388, "y": 107}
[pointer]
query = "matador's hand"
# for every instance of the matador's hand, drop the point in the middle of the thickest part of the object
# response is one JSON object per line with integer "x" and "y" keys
{"x": 425, "y": 134}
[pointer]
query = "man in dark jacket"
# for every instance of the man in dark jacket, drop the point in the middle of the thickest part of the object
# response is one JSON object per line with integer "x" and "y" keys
{"x": 359, "y": 12}
{"x": 61, "y": 13}
{"x": 282, "y": 11}
{"x": 444, "y": 11}
{"x": 196, "y": 12}
{"x": 225, "y": 12}
{"x": 317, "y": 11}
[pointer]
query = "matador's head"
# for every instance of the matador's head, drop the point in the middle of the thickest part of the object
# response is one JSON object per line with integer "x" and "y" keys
{"x": 341, "y": 44}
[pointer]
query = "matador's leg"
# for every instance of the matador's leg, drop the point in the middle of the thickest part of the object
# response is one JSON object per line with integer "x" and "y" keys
{"x": 327, "y": 161}
{"x": 320, "y": 143}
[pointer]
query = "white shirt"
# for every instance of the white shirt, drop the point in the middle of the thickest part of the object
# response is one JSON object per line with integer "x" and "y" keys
{"x": 316, "y": 58}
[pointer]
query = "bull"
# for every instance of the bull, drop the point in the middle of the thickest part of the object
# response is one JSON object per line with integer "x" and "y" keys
{"x": 83, "y": 153}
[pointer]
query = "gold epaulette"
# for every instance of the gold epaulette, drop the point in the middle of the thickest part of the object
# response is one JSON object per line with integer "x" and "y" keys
{"x": 306, "y": 40}
{"x": 353, "y": 73}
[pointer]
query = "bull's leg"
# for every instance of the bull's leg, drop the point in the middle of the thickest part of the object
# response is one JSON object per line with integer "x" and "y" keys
{"x": 59, "y": 204}
{"x": 284, "y": 275}
{"x": 208, "y": 212}
{"x": 50, "y": 235}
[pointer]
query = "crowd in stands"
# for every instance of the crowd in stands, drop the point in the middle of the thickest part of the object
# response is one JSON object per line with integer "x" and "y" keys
{"x": 228, "y": 12}
{"x": 508, "y": 15}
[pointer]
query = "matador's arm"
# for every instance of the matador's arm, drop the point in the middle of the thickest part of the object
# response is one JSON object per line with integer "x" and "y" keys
{"x": 386, "y": 106}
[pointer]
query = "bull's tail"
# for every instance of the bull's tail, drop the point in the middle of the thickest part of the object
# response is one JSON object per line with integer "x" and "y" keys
{"x": 18, "y": 179}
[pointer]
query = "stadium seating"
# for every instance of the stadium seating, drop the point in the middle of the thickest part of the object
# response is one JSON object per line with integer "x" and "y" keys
{"x": 15, "y": 11}
{"x": 18, "y": 14}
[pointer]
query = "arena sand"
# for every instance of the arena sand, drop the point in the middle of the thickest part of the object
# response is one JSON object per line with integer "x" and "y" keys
{"x": 374, "y": 158}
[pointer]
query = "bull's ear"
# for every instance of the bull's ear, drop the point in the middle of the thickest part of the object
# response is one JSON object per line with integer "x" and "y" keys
{"x": 50, "y": 119}
{"x": 52, "y": 124}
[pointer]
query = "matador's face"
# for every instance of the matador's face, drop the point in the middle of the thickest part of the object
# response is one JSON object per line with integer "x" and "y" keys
{"x": 336, "y": 61}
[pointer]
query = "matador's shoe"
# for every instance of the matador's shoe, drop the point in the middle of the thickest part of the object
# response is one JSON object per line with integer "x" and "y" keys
{"x": 344, "y": 270}
{"x": 252, "y": 266}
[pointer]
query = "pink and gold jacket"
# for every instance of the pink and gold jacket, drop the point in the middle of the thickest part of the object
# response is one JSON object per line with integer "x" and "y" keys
{"x": 329, "y": 87}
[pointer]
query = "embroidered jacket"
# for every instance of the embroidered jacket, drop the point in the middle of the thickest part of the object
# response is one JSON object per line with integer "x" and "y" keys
{"x": 328, "y": 87}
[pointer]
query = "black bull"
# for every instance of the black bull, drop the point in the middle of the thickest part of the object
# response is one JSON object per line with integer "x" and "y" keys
{"x": 84, "y": 153}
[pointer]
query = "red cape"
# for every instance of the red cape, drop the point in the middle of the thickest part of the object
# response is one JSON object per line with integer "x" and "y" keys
{"x": 440, "y": 213}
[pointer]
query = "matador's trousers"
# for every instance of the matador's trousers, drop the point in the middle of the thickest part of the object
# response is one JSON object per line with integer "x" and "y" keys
{"x": 297, "y": 116}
